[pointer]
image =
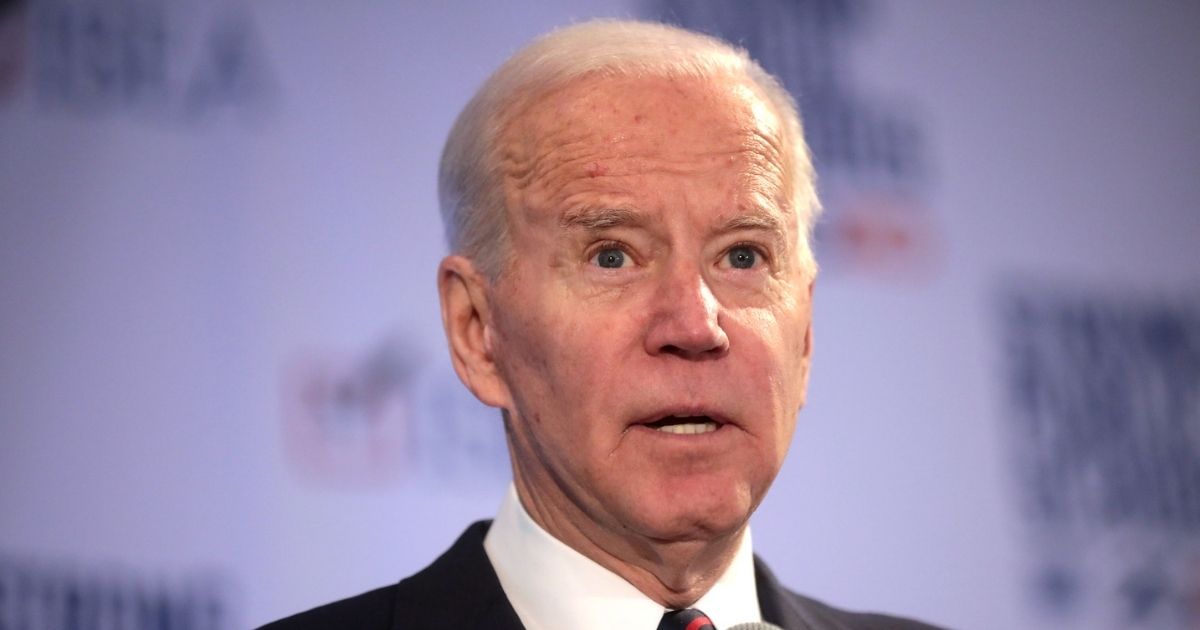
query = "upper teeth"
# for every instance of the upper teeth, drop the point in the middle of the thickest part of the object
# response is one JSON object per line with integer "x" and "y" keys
{"x": 690, "y": 427}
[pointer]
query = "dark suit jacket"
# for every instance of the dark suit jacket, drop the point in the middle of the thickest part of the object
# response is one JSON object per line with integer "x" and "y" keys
{"x": 460, "y": 590}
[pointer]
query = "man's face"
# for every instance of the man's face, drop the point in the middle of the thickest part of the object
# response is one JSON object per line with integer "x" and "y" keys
{"x": 652, "y": 330}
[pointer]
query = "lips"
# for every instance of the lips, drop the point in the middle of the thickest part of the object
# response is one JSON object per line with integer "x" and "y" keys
{"x": 685, "y": 426}
{"x": 685, "y": 422}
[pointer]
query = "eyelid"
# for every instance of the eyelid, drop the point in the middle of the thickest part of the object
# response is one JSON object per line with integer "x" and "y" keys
{"x": 600, "y": 246}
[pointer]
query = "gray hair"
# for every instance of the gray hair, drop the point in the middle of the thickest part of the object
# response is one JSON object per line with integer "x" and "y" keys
{"x": 470, "y": 182}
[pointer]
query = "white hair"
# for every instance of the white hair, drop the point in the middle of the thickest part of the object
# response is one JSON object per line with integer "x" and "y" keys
{"x": 470, "y": 184}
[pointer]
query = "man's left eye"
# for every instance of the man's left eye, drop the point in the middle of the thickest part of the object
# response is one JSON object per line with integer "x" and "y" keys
{"x": 610, "y": 258}
{"x": 742, "y": 257}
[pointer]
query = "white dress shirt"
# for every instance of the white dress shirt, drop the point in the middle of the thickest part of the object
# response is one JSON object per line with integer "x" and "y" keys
{"x": 552, "y": 586}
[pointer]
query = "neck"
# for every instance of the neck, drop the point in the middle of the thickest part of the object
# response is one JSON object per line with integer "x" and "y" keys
{"x": 673, "y": 573}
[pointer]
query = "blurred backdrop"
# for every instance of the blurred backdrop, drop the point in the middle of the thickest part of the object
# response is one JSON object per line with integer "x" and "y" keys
{"x": 224, "y": 394}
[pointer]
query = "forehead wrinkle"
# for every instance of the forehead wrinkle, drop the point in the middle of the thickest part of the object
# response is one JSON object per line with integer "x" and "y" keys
{"x": 544, "y": 156}
{"x": 764, "y": 138}
{"x": 566, "y": 172}
{"x": 765, "y": 153}
{"x": 522, "y": 168}
{"x": 555, "y": 180}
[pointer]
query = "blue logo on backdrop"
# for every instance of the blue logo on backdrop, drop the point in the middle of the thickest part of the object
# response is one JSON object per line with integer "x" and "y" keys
{"x": 1105, "y": 401}
{"x": 385, "y": 415}
{"x": 38, "y": 595}
{"x": 150, "y": 59}
{"x": 869, "y": 153}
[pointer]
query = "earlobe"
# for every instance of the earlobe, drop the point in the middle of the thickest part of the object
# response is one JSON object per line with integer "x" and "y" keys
{"x": 466, "y": 318}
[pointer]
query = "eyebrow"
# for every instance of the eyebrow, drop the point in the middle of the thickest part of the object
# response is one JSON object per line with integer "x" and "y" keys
{"x": 757, "y": 219}
{"x": 601, "y": 218}
{"x": 595, "y": 219}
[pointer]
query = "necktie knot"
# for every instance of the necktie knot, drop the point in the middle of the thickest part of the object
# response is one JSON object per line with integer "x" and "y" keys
{"x": 686, "y": 619}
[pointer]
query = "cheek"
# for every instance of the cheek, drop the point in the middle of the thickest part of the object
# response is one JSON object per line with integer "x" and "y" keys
{"x": 774, "y": 342}
{"x": 766, "y": 339}
{"x": 776, "y": 347}
{"x": 525, "y": 352}
{"x": 548, "y": 353}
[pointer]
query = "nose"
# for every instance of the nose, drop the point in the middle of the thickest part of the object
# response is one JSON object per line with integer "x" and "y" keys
{"x": 684, "y": 318}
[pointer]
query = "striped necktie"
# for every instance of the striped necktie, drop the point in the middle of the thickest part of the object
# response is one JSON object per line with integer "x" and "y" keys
{"x": 687, "y": 619}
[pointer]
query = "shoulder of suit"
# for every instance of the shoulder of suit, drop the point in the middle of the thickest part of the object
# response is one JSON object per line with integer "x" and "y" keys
{"x": 372, "y": 609}
{"x": 826, "y": 616}
{"x": 459, "y": 589}
{"x": 454, "y": 590}
{"x": 789, "y": 609}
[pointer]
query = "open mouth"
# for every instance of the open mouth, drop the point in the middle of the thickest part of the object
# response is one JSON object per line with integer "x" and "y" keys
{"x": 685, "y": 425}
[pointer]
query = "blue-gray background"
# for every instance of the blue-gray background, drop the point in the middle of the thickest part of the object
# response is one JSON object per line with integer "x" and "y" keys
{"x": 224, "y": 394}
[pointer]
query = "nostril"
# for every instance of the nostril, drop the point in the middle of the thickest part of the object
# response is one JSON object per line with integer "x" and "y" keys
{"x": 713, "y": 352}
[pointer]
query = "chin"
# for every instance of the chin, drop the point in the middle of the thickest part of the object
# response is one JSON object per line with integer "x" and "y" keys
{"x": 693, "y": 510}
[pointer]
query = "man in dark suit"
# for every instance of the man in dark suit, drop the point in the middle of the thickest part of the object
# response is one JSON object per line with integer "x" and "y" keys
{"x": 629, "y": 208}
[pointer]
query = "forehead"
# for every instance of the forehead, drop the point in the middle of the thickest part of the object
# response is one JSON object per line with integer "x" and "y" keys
{"x": 615, "y": 126}
{"x": 617, "y": 110}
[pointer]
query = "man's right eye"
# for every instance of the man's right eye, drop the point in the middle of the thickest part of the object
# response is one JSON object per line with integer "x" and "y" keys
{"x": 610, "y": 258}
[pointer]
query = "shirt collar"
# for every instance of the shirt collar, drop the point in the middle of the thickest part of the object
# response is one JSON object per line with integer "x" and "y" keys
{"x": 551, "y": 586}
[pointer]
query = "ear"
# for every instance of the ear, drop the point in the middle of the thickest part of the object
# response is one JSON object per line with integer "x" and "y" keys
{"x": 807, "y": 356}
{"x": 466, "y": 317}
{"x": 808, "y": 330}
